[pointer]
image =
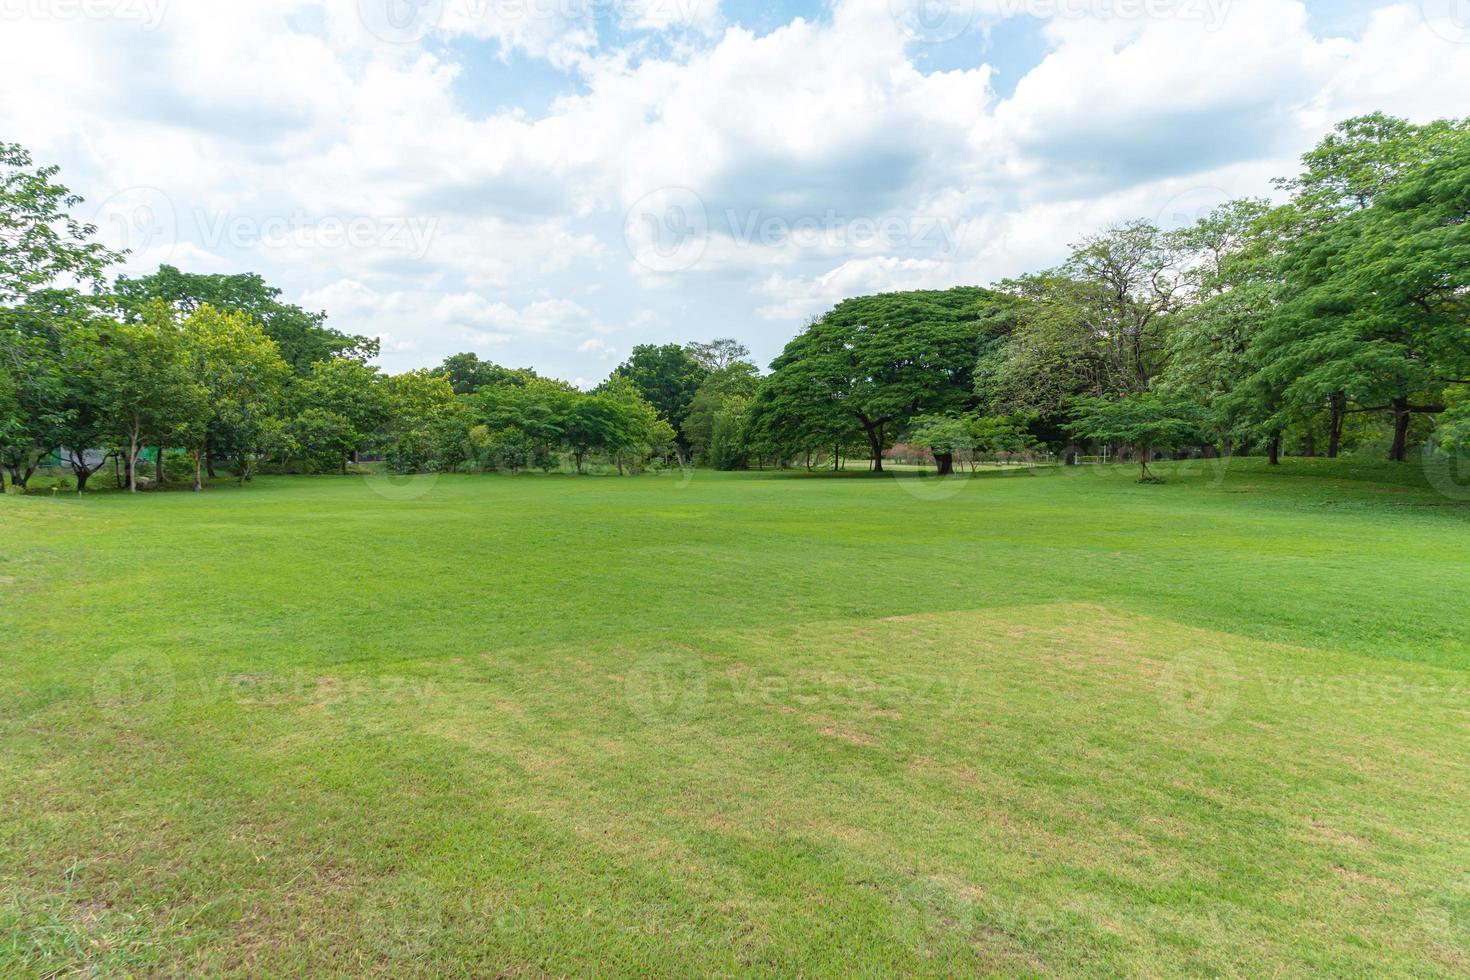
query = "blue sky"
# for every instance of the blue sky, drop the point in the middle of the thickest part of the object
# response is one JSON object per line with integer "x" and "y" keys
{"x": 548, "y": 182}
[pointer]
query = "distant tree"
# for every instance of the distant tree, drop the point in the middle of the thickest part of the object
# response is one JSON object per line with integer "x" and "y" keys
{"x": 245, "y": 379}
{"x": 1361, "y": 158}
{"x": 345, "y": 391}
{"x": 467, "y": 374}
{"x": 946, "y": 436}
{"x": 524, "y": 421}
{"x": 629, "y": 423}
{"x": 729, "y": 447}
{"x": 427, "y": 425}
{"x": 873, "y": 364}
{"x": 739, "y": 379}
{"x": 41, "y": 247}
{"x": 718, "y": 354}
{"x": 1000, "y": 434}
{"x": 321, "y": 437}
{"x": 667, "y": 376}
{"x": 1097, "y": 326}
{"x": 1147, "y": 422}
{"x": 149, "y": 392}
{"x": 10, "y": 417}
{"x": 1235, "y": 284}
{"x": 35, "y": 406}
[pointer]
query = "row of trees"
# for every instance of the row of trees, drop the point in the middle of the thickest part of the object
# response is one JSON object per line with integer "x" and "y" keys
{"x": 1328, "y": 321}
{"x": 1334, "y": 317}
{"x": 220, "y": 370}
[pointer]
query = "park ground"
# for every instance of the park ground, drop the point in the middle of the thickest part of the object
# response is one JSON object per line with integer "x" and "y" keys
{"x": 1031, "y": 722}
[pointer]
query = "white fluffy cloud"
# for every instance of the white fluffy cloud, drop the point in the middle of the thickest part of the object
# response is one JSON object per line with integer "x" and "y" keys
{"x": 673, "y": 174}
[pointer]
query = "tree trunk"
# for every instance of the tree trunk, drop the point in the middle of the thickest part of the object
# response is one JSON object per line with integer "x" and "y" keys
{"x": 946, "y": 463}
{"x": 1273, "y": 449}
{"x": 158, "y": 468}
{"x": 1399, "y": 451}
{"x": 83, "y": 472}
{"x": 1309, "y": 444}
{"x": 198, "y": 470}
{"x": 209, "y": 463}
{"x": 2, "y": 480}
{"x": 875, "y": 444}
{"x": 1144, "y": 476}
{"x": 620, "y": 464}
{"x": 1334, "y": 424}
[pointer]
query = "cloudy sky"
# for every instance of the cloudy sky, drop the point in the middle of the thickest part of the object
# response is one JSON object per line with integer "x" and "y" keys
{"x": 548, "y": 182}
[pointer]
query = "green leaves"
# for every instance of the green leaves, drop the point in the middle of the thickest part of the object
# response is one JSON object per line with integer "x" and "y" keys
{"x": 1146, "y": 421}
{"x": 302, "y": 336}
{"x": 39, "y": 239}
{"x": 872, "y": 364}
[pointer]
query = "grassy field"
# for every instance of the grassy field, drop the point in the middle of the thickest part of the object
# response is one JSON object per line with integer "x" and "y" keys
{"x": 1029, "y": 722}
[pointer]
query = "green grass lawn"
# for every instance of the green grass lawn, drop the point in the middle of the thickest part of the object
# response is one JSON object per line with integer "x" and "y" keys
{"x": 1029, "y": 722}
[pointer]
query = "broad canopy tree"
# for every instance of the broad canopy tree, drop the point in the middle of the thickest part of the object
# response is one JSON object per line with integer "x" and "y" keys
{"x": 1375, "y": 312}
{"x": 874, "y": 363}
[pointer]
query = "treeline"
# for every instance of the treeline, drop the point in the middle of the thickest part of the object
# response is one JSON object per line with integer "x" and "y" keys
{"x": 1332, "y": 321}
{"x": 1336, "y": 319}
{"x": 207, "y": 371}
{"x": 217, "y": 371}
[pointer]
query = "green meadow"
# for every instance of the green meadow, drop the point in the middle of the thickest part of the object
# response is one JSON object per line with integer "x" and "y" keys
{"x": 1026, "y": 722}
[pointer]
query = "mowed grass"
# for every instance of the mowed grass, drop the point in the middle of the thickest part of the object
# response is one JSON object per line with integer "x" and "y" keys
{"x": 1030, "y": 722}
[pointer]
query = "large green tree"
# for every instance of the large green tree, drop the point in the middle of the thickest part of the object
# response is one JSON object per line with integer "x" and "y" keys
{"x": 667, "y": 376}
{"x": 467, "y": 374}
{"x": 1098, "y": 325}
{"x": 148, "y": 388}
{"x": 872, "y": 364}
{"x": 1375, "y": 309}
{"x": 738, "y": 379}
{"x": 40, "y": 242}
{"x": 428, "y": 424}
{"x": 301, "y": 335}
{"x": 44, "y": 250}
{"x": 341, "y": 403}
{"x": 245, "y": 380}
